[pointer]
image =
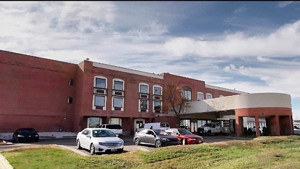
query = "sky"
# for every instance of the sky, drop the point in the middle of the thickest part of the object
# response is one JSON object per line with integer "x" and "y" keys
{"x": 247, "y": 46}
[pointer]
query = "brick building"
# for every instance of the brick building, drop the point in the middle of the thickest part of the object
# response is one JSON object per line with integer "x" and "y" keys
{"x": 54, "y": 96}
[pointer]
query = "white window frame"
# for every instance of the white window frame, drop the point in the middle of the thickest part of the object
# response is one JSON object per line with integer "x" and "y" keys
{"x": 161, "y": 104}
{"x": 120, "y": 80}
{"x": 139, "y": 106}
{"x": 159, "y": 87}
{"x": 105, "y": 96}
{"x": 207, "y": 94}
{"x": 101, "y": 77}
{"x": 105, "y": 100}
{"x": 198, "y": 96}
{"x": 112, "y": 103}
{"x": 143, "y": 84}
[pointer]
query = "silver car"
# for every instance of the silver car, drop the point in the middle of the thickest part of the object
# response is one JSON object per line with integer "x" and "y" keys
{"x": 99, "y": 140}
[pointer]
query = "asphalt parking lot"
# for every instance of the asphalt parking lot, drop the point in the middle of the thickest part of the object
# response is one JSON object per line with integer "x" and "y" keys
{"x": 70, "y": 143}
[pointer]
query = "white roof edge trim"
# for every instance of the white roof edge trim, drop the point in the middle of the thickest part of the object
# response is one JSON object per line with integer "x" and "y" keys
{"x": 224, "y": 89}
{"x": 126, "y": 70}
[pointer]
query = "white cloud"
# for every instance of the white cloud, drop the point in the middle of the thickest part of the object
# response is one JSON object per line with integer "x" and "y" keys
{"x": 283, "y": 42}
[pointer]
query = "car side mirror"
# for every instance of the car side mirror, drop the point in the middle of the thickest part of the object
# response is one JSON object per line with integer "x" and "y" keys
{"x": 88, "y": 136}
{"x": 117, "y": 135}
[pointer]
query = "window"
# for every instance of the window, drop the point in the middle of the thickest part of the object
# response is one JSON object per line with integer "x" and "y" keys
{"x": 157, "y": 99}
{"x": 100, "y": 93}
{"x": 118, "y": 95}
{"x": 99, "y": 102}
{"x": 157, "y": 106}
{"x": 115, "y": 121}
{"x": 185, "y": 123}
{"x": 201, "y": 122}
{"x": 144, "y": 105}
{"x": 117, "y": 103}
{"x": 208, "y": 96}
{"x": 94, "y": 122}
{"x": 157, "y": 90}
{"x": 70, "y": 100}
{"x": 143, "y": 97}
{"x": 144, "y": 88}
{"x": 200, "y": 96}
{"x": 100, "y": 82}
{"x": 71, "y": 82}
{"x": 118, "y": 84}
{"x": 187, "y": 93}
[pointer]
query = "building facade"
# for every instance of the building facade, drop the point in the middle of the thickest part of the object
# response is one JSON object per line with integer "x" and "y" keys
{"x": 54, "y": 96}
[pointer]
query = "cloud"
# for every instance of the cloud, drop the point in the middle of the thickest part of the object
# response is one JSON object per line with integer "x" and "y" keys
{"x": 284, "y": 4}
{"x": 282, "y": 42}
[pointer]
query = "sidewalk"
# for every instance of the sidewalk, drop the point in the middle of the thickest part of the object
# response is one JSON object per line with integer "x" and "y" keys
{"x": 4, "y": 164}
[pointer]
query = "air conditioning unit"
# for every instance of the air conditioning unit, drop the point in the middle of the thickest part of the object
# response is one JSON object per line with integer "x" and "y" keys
{"x": 118, "y": 93}
{"x": 144, "y": 96}
{"x": 100, "y": 91}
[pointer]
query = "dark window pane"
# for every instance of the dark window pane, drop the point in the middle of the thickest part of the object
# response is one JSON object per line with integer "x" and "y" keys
{"x": 157, "y": 106}
{"x": 143, "y": 105}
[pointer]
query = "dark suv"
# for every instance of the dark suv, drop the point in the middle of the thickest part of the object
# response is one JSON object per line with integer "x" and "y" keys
{"x": 25, "y": 135}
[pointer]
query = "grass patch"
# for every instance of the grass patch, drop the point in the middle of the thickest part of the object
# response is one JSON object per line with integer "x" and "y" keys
{"x": 262, "y": 152}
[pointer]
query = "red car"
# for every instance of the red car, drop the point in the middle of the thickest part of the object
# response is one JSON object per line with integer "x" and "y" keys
{"x": 185, "y": 136}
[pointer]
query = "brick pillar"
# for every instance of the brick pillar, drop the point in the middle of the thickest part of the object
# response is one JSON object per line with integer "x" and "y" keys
{"x": 239, "y": 126}
{"x": 274, "y": 125}
{"x": 257, "y": 126}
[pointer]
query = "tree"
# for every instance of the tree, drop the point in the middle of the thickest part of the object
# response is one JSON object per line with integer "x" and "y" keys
{"x": 174, "y": 99}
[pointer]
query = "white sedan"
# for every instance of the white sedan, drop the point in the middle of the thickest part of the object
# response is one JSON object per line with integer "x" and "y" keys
{"x": 99, "y": 140}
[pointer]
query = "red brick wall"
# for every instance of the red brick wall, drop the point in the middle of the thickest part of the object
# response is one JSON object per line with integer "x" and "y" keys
{"x": 84, "y": 93}
{"x": 34, "y": 92}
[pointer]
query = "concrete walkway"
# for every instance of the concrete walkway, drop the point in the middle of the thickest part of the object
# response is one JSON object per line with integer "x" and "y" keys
{"x": 4, "y": 164}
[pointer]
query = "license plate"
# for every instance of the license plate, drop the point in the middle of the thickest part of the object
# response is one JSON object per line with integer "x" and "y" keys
{"x": 113, "y": 150}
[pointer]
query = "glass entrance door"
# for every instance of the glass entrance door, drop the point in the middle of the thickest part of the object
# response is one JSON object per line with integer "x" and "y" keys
{"x": 93, "y": 122}
{"x": 194, "y": 127}
{"x": 138, "y": 123}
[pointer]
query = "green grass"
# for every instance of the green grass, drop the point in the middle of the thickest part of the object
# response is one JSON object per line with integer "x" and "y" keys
{"x": 262, "y": 152}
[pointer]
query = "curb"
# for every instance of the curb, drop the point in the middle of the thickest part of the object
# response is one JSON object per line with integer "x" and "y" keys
{"x": 4, "y": 164}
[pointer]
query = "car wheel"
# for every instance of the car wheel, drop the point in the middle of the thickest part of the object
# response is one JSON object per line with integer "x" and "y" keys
{"x": 157, "y": 144}
{"x": 78, "y": 145}
{"x": 184, "y": 142}
{"x": 92, "y": 149}
{"x": 120, "y": 150}
{"x": 208, "y": 132}
{"x": 136, "y": 141}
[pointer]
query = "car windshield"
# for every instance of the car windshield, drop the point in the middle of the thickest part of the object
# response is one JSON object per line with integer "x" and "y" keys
{"x": 208, "y": 125}
{"x": 103, "y": 133}
{"x": 160, "y": 132}
{"x": 184, "y": 132}
{"x": 27, "y": 131}
{"x": 113, "y": 126}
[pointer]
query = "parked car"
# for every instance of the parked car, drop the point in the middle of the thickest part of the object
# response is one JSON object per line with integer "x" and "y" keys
{"x": 185, "y": 136}
{"x": 212, "y": 129}
{"x": 296, "y": 130}
{"x": 156, "y": 125}
{"x": 25, "y": 135}
{"x": 156, "y": 137}
{"x": 116, "y": 128}
{"x": 99, "y": 140}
